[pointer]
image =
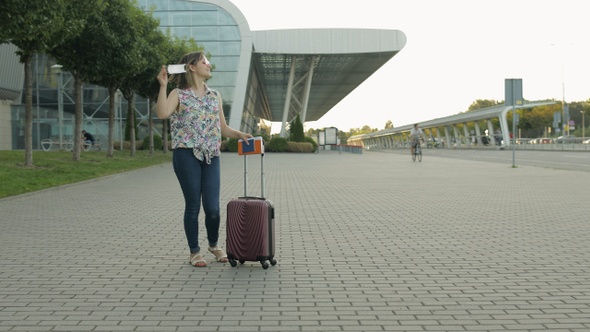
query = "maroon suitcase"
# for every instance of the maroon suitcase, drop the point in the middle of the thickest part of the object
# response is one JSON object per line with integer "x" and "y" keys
{"x": 250, "y": 226}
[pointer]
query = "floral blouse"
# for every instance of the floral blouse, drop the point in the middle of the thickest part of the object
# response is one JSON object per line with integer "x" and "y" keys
{"x": 196, "y": 124}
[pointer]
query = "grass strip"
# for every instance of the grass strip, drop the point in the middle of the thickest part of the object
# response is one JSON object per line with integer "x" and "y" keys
{"x": 56, "y": 168}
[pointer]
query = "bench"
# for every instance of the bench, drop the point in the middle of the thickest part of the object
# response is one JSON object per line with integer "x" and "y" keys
{"x": 68, "y": 144}
{"x": 65, "y": 144}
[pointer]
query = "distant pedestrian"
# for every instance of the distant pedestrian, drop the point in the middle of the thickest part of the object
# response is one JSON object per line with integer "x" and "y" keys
{"x": 416, "y": 135}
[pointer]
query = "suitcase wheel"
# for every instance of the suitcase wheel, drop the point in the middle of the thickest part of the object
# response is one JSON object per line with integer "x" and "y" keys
{"x": 233, "y": 262}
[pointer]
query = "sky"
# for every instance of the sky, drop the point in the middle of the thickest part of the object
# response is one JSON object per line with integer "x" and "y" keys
{"x": 457, "y": 51}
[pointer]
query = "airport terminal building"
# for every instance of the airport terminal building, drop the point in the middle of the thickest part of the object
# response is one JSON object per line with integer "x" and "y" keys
{"x": 264, "y": 76}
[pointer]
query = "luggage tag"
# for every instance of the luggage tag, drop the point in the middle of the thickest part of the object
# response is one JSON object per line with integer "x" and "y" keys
{"x": 255, "y": 146}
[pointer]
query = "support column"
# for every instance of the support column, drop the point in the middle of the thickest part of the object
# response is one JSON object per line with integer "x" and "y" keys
{"x": 307, "y": 88}
{"x": 456, "y": 133}
{"x": 478, "y": 134}
{"x": 437, "y": 137}
{"x": 491, "y": 133}
{"x": 467, "y": 134}
{"x": 288, "y": 98}
{"x": 505, "y": 129}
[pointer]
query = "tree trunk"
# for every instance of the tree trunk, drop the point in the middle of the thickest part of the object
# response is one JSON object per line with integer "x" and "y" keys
{"x": 77, "y": 117}
{"x": 131, "y": 119}
{"x": 111, "y": 134}
{"x": 165, "y": 135}
{"x": 28, "y": 111}
{"x": 150, "y": 127}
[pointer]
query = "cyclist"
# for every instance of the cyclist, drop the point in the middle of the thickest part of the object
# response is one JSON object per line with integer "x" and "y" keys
{"x": 87, "y": 139}
{"x": 416, "y": 135}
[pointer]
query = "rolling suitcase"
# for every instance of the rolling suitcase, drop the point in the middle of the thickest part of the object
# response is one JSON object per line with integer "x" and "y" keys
{"x": 250, "y": 223}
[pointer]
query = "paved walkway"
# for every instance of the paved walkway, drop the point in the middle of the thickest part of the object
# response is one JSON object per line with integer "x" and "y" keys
{"x": 369, "y": 242}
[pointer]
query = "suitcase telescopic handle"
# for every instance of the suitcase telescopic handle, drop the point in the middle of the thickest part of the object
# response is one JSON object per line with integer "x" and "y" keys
{"x": 261, "y": 175}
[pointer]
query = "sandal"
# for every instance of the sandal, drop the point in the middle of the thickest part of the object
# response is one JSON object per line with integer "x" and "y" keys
{"x": 220, "y": 256}
{"x": 197, "y": 260}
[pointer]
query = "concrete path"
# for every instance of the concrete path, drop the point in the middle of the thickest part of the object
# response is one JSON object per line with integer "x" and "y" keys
{"x": 370, "y": 242}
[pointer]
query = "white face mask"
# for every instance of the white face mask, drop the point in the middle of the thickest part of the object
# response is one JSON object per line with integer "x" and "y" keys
{"x": 176, "y": 69}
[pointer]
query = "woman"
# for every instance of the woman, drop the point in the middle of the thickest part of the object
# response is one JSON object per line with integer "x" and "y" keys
{"x": 197, "y": 124}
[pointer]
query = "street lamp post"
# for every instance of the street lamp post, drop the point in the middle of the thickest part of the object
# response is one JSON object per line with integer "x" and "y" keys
{"x": 564, "y": 107}
{"x": 583, "y": 126}
{"x": 60, "y": 101}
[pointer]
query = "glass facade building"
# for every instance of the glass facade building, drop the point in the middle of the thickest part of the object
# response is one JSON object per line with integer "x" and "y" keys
{"x": 272, "y": 75}
{"x": 212, "y": 27}
{"x": 208, "y": 24}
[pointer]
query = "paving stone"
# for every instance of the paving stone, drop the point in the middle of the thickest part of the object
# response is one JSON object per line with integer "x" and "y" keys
{"x": 369, "y": 242}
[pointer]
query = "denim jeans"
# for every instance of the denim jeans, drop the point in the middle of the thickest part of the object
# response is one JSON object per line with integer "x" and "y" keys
{"x": 199, "y": 182}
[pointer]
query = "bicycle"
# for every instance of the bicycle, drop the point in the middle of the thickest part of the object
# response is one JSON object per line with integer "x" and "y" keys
{"x": 433, "y": 144}
{"x": 417, "y": 152}
{"x": 87, "y": 145}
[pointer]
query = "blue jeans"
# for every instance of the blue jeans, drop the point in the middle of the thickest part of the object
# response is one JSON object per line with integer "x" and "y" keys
{"x": 198, "y": 181}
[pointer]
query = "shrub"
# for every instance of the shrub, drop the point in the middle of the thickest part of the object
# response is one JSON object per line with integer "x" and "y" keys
{"x": 157, "y": 143}
{"x": 265, "y": 137}
{"x": 231, "y": 145}
{"x": 300, "y": 147}
{"x": 127, "y": 145}
{"x": 277, "y": 144}
{"x": 313, "y": 143}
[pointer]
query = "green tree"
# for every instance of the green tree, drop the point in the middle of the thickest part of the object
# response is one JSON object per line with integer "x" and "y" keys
{"x": 482, "y": 103}
{"x": 312, "y": 132}
{"x": 388, "y": 124}
{"x": 576, "y": 109}
{"x": 534, "y": 121}
{"x": 154, "y": 48}
{"x": 147, "y": 59}
{"x": 343, "y": 136}
{"x": 103, "y": 54}
{"x": 37, "y": 27}
{"x": 367, "y": 129}
{"x": 296, "y": 131}
{"x": 118, "y": 56}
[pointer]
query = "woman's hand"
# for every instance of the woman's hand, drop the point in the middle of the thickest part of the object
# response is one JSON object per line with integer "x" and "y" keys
{"x": 244, "y": 136}
{"x": 163, "y": 76}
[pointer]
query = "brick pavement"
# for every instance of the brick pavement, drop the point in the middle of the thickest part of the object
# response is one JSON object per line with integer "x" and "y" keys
{"x": 369, "y": 242}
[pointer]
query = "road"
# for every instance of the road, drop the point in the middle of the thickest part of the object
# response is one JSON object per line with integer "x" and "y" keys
{"x": 567, "y": 160}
